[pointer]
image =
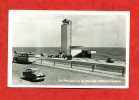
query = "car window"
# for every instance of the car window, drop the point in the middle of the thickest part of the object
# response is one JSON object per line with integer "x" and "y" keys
{"x": 28, "y": 70}
{"x": 31, "y": 55}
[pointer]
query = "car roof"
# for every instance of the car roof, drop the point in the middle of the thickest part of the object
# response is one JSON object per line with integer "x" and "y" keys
{"x": 24, "y": 53}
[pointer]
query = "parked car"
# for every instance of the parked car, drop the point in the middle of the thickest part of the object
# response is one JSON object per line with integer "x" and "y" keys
{"x": 24, "y": 57}
{"x": 33, "y": 74}
{"x": 69, "y": 57}
{"x": 110, "y": 60}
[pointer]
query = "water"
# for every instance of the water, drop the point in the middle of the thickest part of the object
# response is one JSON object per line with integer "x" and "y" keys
{"x": 118, "y": 54}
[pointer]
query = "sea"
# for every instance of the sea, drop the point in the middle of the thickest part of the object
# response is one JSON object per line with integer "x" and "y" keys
{"x": 102, "y": 53}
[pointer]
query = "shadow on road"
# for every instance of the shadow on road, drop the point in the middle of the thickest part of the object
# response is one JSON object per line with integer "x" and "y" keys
{"x": 28, "y": 79}
{"x": 23, "y": 63}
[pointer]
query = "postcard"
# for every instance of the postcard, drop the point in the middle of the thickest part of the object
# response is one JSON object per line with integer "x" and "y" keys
{"x": 68, "y": 49}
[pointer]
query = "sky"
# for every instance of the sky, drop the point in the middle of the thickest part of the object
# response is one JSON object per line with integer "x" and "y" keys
{"x": 44, "y": 29}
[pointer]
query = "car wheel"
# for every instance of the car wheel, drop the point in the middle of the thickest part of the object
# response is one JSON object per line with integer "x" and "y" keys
{"x": 13, "y": 60}
{"x": 33, "y": 78}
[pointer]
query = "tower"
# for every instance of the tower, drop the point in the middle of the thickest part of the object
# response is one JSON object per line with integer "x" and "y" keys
{"x": 66, "y": 29}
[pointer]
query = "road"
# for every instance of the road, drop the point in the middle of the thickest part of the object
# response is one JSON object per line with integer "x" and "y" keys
{"x": 62, "y": 77}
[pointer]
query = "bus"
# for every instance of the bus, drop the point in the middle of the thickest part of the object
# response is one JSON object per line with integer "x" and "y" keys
{"x": 24, "y": 57}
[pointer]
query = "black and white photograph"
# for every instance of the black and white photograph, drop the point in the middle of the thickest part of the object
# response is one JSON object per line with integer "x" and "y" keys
{"x": 68, "y": 49}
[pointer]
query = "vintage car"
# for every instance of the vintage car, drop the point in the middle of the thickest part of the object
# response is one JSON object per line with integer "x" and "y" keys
{"x": 24, "y": 57}
{"x": 33, "y": 74}
{"x": 110, "y": 60}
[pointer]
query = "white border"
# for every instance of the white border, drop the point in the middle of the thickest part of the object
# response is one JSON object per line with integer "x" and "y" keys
{"x": 54, "y": 12}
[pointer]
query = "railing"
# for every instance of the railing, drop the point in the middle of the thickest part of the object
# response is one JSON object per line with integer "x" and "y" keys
{"x": 93, "y": 65}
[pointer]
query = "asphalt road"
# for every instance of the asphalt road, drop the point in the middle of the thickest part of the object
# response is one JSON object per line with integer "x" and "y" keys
{"x": 62, "y": 77}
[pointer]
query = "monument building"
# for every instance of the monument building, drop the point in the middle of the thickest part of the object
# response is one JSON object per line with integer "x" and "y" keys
{"x": 66, "y": 36}
{"x": 66, "y": 42}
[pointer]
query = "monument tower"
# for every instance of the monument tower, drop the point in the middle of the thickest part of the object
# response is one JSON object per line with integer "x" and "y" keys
{"x": 66, "y": 32}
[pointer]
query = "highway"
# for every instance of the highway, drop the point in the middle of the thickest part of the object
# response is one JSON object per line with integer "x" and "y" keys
{"x": 62, "y": 77}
